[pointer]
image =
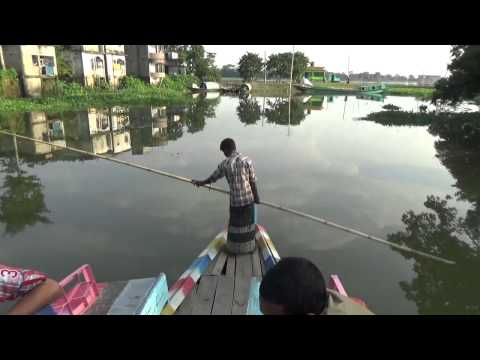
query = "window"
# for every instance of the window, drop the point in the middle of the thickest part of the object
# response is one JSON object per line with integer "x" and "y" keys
{"x": 159, "y": 68}
{"x": 35, "y": 60}
{"x": 98, "y": 63}
{"x": 152, "y": 49}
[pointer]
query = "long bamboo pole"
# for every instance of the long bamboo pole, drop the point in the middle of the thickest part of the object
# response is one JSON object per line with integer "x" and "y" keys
{"x": 266, "y": 203}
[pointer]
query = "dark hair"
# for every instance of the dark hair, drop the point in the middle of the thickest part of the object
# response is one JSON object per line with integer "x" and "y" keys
{"x": 297, "y": 285}
{"x": 227, "y": 145}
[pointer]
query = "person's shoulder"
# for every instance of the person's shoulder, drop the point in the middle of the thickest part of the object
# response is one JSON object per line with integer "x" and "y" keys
{"x": 246, "y": 159}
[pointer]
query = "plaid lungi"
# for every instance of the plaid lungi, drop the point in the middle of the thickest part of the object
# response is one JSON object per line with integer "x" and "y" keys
{"x": 241, "y": 229}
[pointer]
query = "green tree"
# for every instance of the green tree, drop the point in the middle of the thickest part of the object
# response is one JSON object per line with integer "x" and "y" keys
{"x": 200, "y": 63}
{"x": 250, "y": 66}
{"x": 300, "y": 63}
{"x": 279, "y": 65}
{"x": 464, "y": 80}
{"x": 230, "y": 70}
{"x": 64, "y": 67}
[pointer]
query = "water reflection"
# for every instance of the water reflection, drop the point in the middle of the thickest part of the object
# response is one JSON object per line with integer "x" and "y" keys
{"x": 372, "y": 97}
{"x": 202, "y": 109}
{"x": 276, "y": 111}
{"x": 22, "y": 202}
{"x": 439, "y": 288}
{"x": 149, "y": 127}
{"x": 249, "y": 111}
{"x": 343, "y": 173}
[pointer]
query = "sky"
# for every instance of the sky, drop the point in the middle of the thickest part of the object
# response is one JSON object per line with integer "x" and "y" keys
{"x": 386, "y": 59}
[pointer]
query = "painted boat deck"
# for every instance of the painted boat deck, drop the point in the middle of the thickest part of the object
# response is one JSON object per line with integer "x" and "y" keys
{"x": 106, "y": 298}
{"x": 224, "y": 288}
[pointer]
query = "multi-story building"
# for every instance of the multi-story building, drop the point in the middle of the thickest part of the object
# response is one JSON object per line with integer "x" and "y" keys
{"x": 174, "y": 66}
{"x": 93, "y": 65}
{"x": 33, "y": 63}
{"x": 146, "y": 62}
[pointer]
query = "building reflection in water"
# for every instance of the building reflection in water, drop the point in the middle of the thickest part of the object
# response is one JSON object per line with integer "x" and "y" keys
{"x": 39, "y": 126}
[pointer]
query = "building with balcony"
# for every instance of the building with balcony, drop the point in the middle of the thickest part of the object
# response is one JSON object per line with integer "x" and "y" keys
{"x": 146, "y": 62}
{"x": 174, "y": 66}
{"x": 94, "y": 65}
{"x": 33, "y": 63}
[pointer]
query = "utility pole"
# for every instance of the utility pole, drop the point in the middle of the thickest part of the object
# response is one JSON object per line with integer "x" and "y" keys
{"x": 265, "y": 66}
{"x": 2, "y": 61}
{"x": 290, "y": 93}
{"x": 106, "y": 64}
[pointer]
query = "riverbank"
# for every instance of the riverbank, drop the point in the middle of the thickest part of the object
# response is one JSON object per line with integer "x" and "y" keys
{"x": 391, "y": 89}
{"x": 461, "y": 128}
{"x": 281, "y": 88}
{"x": 72, "y": 96}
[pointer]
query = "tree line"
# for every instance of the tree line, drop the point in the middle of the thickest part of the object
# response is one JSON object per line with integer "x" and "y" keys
{"x": 278, "y": 66}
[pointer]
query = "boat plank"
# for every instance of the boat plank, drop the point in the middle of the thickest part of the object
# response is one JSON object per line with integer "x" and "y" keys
{"x": 107, "y": 297}
{"x": 224, "y": 296}
{"x": 219, "y": 264}
{"x": 262, "y": 265}
{"x": 256, "y": 266}
{"x": 241, "y": 295}
{"x": 231, "y": 259}
{"x": 203, "y": 302}
{"x": 243, "y": 265}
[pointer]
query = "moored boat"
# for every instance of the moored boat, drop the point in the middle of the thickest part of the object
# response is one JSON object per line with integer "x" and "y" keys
{"x": 206, "y": 86}
{"x": 309, "y": 88}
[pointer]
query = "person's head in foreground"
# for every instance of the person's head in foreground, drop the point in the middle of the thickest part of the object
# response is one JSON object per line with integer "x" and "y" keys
{"x": 294, "y": 286}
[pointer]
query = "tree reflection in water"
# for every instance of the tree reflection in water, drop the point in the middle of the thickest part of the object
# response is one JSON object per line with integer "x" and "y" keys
{"x": 439, "y": 288}
{"x": 22, "y": 202}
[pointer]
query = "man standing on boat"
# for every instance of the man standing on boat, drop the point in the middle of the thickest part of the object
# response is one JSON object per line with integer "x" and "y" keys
{"x": 240, "y": 174}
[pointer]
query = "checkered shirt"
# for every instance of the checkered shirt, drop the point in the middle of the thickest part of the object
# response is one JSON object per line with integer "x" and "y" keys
{"x": 238, "y": 170}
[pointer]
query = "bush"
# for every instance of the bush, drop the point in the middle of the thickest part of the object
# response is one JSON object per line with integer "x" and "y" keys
{"x": 9, "y": 84}
{"x": 8, "y": 74}
{"x": 133, "y": 83}
{"x": 179, "y": 82}
{"x": 391, "y": 107}
{"x": 59, "y": 88}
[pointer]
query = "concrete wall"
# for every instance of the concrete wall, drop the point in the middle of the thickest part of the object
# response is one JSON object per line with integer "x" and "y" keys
{"x": 30, "y": 63}
{"x": 88, "y": 66}
{"x": 116, "y": 68}
{"x": 139, "y": 63}
{"x": 117, "y": 49}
